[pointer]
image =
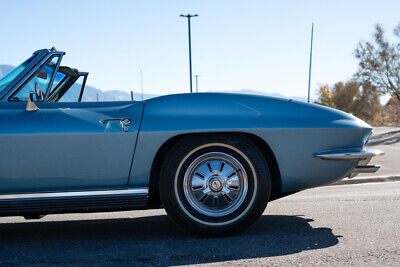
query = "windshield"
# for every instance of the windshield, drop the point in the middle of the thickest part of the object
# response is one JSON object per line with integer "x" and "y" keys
{"x": 6, "y": 80}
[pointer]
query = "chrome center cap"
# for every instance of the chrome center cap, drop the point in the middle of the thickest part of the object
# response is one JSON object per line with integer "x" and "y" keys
{"x": 216, "y": 185}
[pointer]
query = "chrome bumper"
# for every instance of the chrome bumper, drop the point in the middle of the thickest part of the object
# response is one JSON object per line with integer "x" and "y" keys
{"x": 363, "y": 157}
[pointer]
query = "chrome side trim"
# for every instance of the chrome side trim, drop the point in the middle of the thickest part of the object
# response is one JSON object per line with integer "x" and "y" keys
{"x": 129, "y": 191}
{"x": 350, "y": 155}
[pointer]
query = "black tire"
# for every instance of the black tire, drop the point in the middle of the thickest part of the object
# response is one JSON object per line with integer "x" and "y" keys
{"x": 176, "y": 201}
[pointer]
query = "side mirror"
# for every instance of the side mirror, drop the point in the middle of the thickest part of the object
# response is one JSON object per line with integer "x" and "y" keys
{"x": 39, "y": 93}
{"x": 42, "y": 74}
{"x": 31, "y": 106}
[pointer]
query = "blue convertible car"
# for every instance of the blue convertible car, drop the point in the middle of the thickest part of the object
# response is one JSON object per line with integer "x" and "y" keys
{"x": 212, "y": 160}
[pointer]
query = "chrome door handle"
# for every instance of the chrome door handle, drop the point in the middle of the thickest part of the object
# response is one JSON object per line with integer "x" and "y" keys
{"x": 125, "y": 122}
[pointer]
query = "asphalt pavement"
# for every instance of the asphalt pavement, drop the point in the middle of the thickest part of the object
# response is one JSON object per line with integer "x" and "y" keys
{"x": 335, "y": 225}
{"x": 351, "y": 224}
{"x": 386, "y": 138}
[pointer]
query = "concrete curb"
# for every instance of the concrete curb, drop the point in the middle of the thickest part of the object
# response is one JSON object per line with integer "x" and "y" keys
{"x": 368, "y": 180}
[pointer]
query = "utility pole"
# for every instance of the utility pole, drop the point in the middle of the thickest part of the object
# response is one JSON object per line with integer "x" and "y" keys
{"x": 309, "y": 71}
{"x": 197, "y": 82}
{"x": 141, "y": 82}
{"x": 97, "y": 97}
{"x": 131, "y": 95}
{"x": 188, "y": 16}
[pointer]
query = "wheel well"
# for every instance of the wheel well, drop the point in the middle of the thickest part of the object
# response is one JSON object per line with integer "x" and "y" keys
{"x": 154, "y": 198}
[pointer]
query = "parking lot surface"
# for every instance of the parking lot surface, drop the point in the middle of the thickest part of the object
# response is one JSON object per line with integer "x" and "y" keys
{"x": 386, "y": 138}
{"x": 336, "y": 225}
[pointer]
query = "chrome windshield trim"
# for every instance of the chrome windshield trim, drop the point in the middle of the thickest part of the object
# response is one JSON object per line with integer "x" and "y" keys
{"x": 130, "y": 191}
{"x": 32, "y": 65}
{"x": 349, "y": 155}
{"x": 28, "y": 75}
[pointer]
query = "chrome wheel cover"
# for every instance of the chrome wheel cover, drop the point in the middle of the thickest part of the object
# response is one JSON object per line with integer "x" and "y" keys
{"x": 215, "y": 184}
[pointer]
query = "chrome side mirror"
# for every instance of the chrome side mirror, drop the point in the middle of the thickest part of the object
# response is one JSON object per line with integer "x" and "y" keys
{"x": 39, "y": 93}
{"x": 42, "y": 75}
{"x": 31, "y": 106}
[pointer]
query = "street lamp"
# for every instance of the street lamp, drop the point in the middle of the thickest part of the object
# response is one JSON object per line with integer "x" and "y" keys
{"x": 188, "y": 16}
{"x": 309, "y": 71}
{"x": 197, "y": 82}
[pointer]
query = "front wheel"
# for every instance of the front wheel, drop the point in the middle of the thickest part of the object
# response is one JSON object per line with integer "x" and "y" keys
{"x": 214, "y": 185}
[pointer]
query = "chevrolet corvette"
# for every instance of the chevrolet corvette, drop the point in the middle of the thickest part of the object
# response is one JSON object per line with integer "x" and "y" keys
{"x": 212, "y": 160}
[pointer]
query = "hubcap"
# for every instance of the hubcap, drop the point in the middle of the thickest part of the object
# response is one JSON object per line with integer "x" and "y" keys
{"x": 215, "y": 184}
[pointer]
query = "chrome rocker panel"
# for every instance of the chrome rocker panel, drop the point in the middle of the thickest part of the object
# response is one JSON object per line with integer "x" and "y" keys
{"x": 363, "y": 157}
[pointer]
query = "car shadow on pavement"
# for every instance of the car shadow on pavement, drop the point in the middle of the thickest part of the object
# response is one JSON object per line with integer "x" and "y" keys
{"x": 388, "y": 138}
{"x": 153, "y": 240}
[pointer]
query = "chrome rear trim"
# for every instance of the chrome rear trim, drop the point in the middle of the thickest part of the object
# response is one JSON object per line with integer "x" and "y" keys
{"x": 366, "y": 169}
{"x": 363, "y": 157}
{"x": 129, "y": 191}
{"x": 350, "y": 155}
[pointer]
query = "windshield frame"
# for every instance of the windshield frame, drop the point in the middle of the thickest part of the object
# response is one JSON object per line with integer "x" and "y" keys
{"x": 65, "y": 85}
{"x": 38, "y": 56}
{"x": 31, "y": 76}
{"x": 10, "y": 77}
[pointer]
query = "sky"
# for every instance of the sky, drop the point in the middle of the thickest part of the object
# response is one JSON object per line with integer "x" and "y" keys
{"x": 259, "y": 45}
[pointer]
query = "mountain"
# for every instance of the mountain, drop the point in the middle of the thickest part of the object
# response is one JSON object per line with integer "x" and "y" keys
{"x": 116, "y": 95}
{"x": 255, "y": 92}
{"x": 92, "y": 93}
{"x": 5, "y": 69}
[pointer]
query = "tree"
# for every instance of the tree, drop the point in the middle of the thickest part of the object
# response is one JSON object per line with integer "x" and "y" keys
{"x": 394, "y": 108}
{"x": 325, "y": 96}
{"x": 361, "y": 100}
{"x": 367, "y": 104}
{"x": 379, "y": 62}
{"x": 344, "y": 95}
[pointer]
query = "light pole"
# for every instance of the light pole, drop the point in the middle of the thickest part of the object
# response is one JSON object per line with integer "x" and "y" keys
{"x": 141, "y": 83}
{"x": 309, "y": 71}
{"x": 188, "y": 16}
{"x": 197, "y": 82}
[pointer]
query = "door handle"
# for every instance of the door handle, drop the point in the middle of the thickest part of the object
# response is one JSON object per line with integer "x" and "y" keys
{"x": 125, "y": 122}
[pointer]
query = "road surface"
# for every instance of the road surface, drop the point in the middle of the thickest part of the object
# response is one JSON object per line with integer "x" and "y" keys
{"x": 386, "y": 138}
{"x": 335, "y": 225}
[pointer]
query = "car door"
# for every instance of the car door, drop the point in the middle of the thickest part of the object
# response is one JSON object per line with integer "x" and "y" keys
{"x": 67, "y": 146}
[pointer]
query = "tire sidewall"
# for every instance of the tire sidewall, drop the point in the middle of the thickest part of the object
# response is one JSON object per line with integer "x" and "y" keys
{"x": 209, "y": 220}
{"x": 176, "y": 203}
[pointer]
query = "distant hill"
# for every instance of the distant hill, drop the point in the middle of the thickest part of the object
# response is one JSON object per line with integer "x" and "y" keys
{"x": 5, "y": 69}
{"x": 91, "y": 93}
{"x": 255, "y": 92}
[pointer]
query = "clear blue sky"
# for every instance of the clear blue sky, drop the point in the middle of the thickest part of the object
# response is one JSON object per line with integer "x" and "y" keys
{"x": 261, "y": 45}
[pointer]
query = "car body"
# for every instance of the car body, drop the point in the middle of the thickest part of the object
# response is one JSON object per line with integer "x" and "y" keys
{"x": 62, "y": 156}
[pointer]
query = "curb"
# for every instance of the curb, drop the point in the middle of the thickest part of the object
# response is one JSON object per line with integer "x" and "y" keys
{"x": 368, "y": 180}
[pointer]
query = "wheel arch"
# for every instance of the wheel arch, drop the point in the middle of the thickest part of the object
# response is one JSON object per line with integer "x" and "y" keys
{"x": 154, "y": 198}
